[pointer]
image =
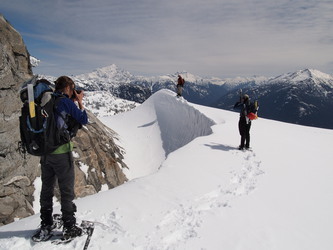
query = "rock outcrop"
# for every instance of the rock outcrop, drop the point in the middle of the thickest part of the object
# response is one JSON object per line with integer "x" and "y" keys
{"x": 98, "y": 160}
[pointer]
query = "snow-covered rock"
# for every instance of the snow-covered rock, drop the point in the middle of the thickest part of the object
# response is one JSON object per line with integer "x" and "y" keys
{"x": 34, "y": 61}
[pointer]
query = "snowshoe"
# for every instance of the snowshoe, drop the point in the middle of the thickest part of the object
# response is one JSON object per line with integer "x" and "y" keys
{"x": 69, "y": 234}
{"x": 43, "y": 234}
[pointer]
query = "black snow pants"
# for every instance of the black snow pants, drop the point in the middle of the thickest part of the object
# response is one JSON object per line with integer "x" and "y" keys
{"x": 244, "y": 131}
{"x": 58, "y": 166}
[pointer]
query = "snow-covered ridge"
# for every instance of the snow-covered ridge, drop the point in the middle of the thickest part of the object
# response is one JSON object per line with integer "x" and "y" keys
{"x": 166, "y": 123}
{"x": 179, "y": 122}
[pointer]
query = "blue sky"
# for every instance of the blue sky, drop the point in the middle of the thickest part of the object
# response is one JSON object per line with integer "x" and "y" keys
{"x": 153, "y": 37}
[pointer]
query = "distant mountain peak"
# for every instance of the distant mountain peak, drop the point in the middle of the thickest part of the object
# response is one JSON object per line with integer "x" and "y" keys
{"x": 318, "y": 74}
{"x": 111, "y": 70}
{"x": 108, "y": 74}
{"x": 303, "y": 75}
{"x": 310, "y": 73}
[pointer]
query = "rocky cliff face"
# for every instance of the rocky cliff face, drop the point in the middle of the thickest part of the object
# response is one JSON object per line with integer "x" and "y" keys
{"x": 16, "y": 187}
{"x": 98, "y": 160}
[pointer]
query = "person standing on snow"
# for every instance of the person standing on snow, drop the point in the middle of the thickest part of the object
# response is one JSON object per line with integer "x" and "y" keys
{"x": 244, "y": 123}
{"x": 180, "y": 85}
{"x": 59, "y": 164}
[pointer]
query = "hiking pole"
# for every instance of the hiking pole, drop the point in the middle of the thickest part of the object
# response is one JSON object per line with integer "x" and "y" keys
{"x": 256, "y": 102}
{"x": 240, "y": 95}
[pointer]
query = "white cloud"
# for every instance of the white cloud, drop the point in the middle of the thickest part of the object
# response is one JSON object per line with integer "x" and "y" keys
{"x": 211, "y": 37}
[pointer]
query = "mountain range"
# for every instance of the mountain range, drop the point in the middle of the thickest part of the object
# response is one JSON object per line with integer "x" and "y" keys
{"x": 303, "y": 97}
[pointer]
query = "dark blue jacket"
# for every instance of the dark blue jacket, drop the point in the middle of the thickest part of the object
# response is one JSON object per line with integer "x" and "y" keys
{"x": 66, "y": 107}
{"x": 243, "y": 106}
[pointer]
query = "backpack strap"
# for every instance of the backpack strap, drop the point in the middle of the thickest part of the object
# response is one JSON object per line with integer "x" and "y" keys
{"x": 72, "y": 125}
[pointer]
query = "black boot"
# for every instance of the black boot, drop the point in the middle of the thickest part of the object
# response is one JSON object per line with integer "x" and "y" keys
{"x": 44, "y": 233}
{"x": 72, "y": 232}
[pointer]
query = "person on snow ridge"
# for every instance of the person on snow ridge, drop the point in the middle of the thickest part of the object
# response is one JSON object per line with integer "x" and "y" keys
{"x": 59, "y": 164}
{"x": 244, "y": 123}
{"x": 180, "y": 85}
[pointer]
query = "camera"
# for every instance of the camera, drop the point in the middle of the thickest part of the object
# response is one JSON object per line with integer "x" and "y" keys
{"x": 74, "y": 93}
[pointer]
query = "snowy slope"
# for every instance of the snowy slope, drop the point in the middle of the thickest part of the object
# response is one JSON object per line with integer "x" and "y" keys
{"x": 103, "y": 103}
{"x": 206, "y": 194}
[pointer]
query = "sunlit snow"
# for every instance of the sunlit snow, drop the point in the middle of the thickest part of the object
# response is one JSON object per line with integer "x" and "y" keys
{"x": 191, "y": 188}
